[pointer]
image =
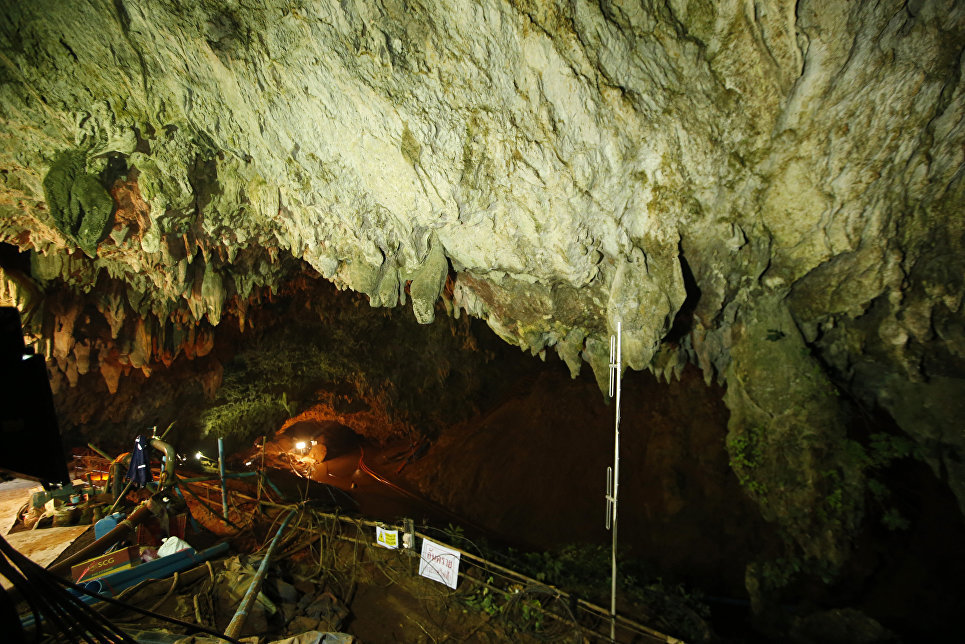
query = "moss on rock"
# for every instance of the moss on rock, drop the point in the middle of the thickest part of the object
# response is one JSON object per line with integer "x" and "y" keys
{"x": 80, "y": 206}
{"x": 427, "y": 283}
{"x": 787, "y": 439}
{"x": 92, "y": 205}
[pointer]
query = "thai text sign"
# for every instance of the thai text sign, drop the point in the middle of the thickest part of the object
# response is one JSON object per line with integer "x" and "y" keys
{"x": 439, "y": 563}
{"x": 387, "y": 538}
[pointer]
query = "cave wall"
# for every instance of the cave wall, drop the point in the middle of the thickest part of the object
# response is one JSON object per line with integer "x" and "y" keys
{"x": 771, "y": 190}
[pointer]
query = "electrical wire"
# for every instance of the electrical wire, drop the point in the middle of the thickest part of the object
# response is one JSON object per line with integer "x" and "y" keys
{"x": 561, "y": 607}
{"x": 61, "y": 609}
{"x": 48, "y": 600}
{"x": 77, "y": 621}
{"x": 149, "y": 613}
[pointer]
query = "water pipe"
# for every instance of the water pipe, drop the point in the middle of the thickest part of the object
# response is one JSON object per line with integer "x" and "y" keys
{"x": 123, "y": 528}
{"x": 238, "y": 621}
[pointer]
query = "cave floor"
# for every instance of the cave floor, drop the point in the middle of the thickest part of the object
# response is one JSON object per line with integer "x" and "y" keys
{"x": 41, "y": 546}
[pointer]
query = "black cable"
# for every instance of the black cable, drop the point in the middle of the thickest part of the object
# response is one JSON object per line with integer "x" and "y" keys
{"x": 63, "y": 609}
{"x": 38, "y": 601}
{"x": 144, "y": 611}
{"x": 6, "y": 570}
{"x": 62, "y": 612}
{"x": 10, "y": 619}
{"x": 70, "y": 606}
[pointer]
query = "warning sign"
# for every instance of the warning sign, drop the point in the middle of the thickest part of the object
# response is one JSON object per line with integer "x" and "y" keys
{"x": 439, "y": 563}
{"x": 387, "y": 538}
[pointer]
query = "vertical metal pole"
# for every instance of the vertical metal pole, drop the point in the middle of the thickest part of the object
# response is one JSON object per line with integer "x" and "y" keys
{"x": 238, "y": 621}
{"x": 613, "y": 474}
{"x": 224, "y": 488}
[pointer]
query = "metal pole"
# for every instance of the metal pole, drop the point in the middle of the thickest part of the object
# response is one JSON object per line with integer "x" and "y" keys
{"x": 238, "y": 621}
{"x": 212, "y": 477}
{"x": 224, "y": 488}
{"x": 102, "y": 453}
{"x": 613, "y": 474}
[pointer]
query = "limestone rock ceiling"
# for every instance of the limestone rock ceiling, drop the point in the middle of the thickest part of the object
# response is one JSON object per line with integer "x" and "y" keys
{"x": 771, "y": 189}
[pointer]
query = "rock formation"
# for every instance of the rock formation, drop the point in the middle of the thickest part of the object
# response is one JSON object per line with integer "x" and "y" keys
{"x": 772, "y": 190}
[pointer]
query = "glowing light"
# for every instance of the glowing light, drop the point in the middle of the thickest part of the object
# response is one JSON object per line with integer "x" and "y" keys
{"x": 247, "y": 463}
{"x": 198, "y": 455}
{"x": 300, "y": 445}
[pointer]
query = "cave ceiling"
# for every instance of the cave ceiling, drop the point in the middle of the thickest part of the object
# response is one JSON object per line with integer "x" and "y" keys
{"x": 770, "y": 190}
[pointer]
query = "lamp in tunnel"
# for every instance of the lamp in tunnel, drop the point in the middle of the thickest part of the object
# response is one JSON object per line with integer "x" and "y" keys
{"x": 300, "y": 445}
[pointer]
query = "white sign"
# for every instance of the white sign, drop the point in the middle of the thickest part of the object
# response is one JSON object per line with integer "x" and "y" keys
{"x": 387, "y": 538}
{"x": 439, "y": 563}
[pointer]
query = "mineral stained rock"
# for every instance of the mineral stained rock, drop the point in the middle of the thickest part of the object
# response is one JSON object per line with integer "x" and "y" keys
{"x": 770, "y": 189}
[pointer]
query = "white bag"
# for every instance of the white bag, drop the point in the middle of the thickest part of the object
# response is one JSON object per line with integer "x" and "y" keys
{"x": 172, "y": 545}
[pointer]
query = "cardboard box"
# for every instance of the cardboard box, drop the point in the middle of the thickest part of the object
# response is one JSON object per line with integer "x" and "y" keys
{"x": 106, "y": 564}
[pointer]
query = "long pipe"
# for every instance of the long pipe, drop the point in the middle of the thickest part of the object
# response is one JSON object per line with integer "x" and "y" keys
{"x": 98, "y": 547}
{"x": 238, "y": 621}
{"x": 229, "y": 475}
{"x": 170, "y": 461}
{"x": 617, "y": 372}
{"x": 101, "y": 452}
{"x": 206, "y": 506}
{"x": 224, "y": 488}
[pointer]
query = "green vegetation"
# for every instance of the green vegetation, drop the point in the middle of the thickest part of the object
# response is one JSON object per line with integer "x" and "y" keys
{"x": 583, "y": 571}
{"x": 418, "y": 376}
{"x": 573, "y": 566}
{"x": 855, "y": 462}
{"x": 778, "y": 573}
{"x": 262, "y": 413}
{"x": 746, "y": 456}
{"x": 486, "y": 600}
{"x": 882, "y": 451}
{"x": 262, "y": 383}
{"x": 893, "y": 520}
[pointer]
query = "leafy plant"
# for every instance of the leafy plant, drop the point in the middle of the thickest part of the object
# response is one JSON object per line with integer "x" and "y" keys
{"x": 885, "y": 448}
{"x": 881, "y": 452}
{"x": 746, "y": 456}
{"x": 778, "y": 573}
{"x": 420, "y": 376}
{"x": 893, "y": 520}
{"x": 483, "y": 599}
{"x": 260, "y": 414}
{"x": 531, "y": 611}
{"x": 455, "y": 534}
